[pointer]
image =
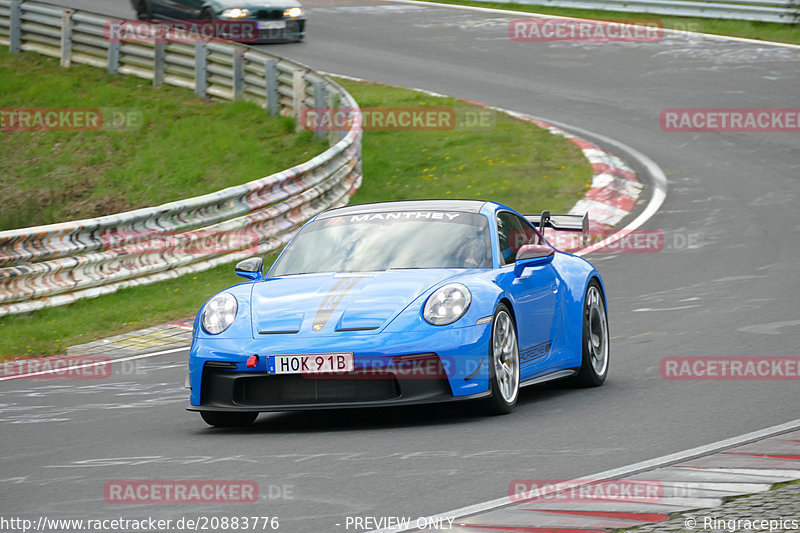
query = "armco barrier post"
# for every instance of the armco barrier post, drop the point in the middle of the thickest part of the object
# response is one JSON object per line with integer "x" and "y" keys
{"x": 15, "y": 30}
{"x": 298, "y": 94}
{"x": 332, "y": 102}
{"x": 238, "y": 73}
{"x": 319, "y": 103}
{"x": 200, "y": 66}
{"x": 271, "y": 70}
{"x": 66, "y": 38}
{"x": 113, "y": 57}
{"x": 158, "y": 64}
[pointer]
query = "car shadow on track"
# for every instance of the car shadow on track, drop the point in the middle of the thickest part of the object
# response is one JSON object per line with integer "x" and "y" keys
{"x": 382, "y": 418}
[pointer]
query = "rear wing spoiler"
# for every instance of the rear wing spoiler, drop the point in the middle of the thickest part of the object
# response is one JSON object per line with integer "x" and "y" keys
{"x": 561, "y": 223}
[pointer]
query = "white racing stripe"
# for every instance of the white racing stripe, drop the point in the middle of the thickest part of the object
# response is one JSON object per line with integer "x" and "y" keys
{"x": 89, "y": 365}
{"x": 615, "y": 473}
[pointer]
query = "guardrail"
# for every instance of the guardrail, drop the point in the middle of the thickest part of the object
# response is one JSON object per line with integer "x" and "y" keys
{"x": 783, "y": 11}
{"x": 57, "y": 264}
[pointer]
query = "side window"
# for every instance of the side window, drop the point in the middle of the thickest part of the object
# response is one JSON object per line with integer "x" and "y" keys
{"x": 513, "y": 232}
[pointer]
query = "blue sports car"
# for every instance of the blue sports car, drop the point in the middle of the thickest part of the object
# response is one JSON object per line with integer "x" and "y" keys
{"x": 401, "y": 303}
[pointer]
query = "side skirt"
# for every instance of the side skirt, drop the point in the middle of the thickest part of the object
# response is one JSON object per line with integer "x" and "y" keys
{"x": 558, "y": 374}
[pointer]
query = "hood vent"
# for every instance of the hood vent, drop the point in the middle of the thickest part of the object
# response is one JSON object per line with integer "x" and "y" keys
{"x": 279, "y": 332}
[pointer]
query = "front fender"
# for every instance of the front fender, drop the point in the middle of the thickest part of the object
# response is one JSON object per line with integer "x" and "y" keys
{"x": 486, "y": 295}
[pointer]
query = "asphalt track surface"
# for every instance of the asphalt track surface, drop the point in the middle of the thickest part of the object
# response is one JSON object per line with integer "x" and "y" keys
{"x": 735, "y": 292}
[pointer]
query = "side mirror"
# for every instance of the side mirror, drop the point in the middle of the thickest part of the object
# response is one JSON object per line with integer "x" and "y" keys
{"x": 532, "y": 255}
{"x": 250, "y": 268}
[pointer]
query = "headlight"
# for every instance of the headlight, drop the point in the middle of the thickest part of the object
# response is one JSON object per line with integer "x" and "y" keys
{"x": 447, "y": 304}
{"x": 236, "y": 13}
{"x": 219, "y": 313}
{"x": 292, "y": 12}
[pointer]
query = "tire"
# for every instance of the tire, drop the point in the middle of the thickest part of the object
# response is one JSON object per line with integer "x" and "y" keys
{"x": 144, "y": 10}
{"x": 208, "y": 14}
{"x": 596, "y": 343}
{"x": 222, "y": 419}
{"x": 503, "y": 363}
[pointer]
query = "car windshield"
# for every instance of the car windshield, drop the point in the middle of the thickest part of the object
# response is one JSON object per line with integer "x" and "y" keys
{"x": 369, "y": 242}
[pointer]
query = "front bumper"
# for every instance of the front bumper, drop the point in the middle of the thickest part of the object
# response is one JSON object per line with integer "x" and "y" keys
{"x": 295, "y": 30}
{"x": 245, "y": 391}
{"x": 452, "y": 366}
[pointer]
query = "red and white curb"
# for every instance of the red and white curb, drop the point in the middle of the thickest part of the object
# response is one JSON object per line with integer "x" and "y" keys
{"x": 699, "y": 478}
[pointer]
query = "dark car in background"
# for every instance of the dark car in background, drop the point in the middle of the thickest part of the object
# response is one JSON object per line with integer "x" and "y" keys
{"x": 276, "y": 20}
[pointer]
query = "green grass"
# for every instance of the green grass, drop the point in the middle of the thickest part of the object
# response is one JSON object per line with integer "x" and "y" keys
{"x": 186, "y": 146}
{"x": 765, "y": 31}
{"x": 510, "y": 161}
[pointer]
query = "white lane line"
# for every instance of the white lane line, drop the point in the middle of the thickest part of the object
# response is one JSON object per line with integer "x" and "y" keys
{"x": 614, "y": 473}
{"x": 543, "y": 15}
{"x": 89, "y": 365}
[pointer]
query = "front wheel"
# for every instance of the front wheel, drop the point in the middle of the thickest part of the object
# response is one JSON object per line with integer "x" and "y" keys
{"x": 503, "y": 363}
{"x": 596, "y": 349}
{"x": 222, "y": 419}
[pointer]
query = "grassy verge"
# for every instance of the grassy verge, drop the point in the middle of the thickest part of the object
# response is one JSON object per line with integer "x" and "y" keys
{"x": 765, "y": 31}
{"x": 184, "y": 146}
{"x": 509, "y": 161}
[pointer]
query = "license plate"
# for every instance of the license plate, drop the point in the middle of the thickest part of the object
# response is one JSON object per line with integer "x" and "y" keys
{"x": 272, "y": 25}
{"x": 319, "y": 363}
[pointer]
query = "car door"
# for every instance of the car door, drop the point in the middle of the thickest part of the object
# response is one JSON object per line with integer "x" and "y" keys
{"x": 533, "y": 293}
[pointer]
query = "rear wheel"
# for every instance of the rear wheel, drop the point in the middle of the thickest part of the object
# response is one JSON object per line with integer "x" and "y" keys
{"x": 222, "y": 419}
{"x": 503, "y": 363}
{"x": 596, "y": 348}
